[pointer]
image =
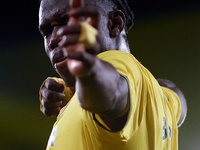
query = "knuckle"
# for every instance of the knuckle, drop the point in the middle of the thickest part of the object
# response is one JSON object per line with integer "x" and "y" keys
{"x": 52, "y": 112}
{"x": 50, "y": 95}
{"x": 53, "y": 86}
{"x": 51, "y": 104}
{"x": 47, "y": 104}
{"x": 50, "y": 83}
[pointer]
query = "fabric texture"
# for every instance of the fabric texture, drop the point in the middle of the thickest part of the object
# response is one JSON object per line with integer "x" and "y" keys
{"x": 152, "y": 121}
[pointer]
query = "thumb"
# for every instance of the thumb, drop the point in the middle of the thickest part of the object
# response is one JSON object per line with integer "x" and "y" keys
{"x": 79, "y": 63}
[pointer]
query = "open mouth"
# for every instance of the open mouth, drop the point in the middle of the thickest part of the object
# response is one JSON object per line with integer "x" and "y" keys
{"x": 61, "y": 64}
{"x": 59, "y": 61}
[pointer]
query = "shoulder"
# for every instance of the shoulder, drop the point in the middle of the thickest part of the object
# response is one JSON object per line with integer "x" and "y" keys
{"x": 170, "y": 85}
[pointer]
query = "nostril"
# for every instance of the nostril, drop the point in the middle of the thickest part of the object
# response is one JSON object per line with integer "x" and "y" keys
{"x": 52, "y": 45}
{"x": 54, "y": 42}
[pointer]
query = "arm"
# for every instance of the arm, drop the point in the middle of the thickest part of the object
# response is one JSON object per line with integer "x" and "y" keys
{"x": 101, "y": 89}
{"x": 173, "y": 87}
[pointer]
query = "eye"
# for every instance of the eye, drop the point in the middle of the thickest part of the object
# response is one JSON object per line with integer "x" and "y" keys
{"x": 45, "y": 30}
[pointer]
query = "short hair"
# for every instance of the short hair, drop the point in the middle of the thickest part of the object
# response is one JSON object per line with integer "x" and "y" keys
{"x": 126, "y": 7}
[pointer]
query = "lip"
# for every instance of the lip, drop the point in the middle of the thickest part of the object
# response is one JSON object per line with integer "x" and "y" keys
{"x": 59, "y": 61}
{"x": 61, "y": 65}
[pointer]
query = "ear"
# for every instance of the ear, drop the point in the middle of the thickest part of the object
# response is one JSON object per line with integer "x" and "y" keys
{"x": 116, "y": 22}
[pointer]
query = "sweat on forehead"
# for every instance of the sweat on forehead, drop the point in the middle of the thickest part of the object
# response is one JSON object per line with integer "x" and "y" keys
{"x": 106, "y": 5}
{"x": 86, "y": 2}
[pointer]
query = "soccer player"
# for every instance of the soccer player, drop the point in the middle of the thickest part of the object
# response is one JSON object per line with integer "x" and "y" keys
{"x": 105, "y": 99}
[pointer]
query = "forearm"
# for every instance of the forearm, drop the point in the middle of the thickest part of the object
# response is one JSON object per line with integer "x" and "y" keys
{"x": 99, "y": 91}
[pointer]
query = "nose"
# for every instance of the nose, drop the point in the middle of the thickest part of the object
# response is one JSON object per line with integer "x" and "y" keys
{"x": 55, "y": 39}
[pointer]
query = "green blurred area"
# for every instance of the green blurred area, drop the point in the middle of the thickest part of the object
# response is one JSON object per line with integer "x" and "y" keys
{"x": 168, "y": 45}
{"x": 22, "y": 125}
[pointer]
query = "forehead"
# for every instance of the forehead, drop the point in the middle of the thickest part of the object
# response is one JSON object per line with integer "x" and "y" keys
{"x": 55, "y": 9}
{"x": 51, "y": 7}
{"x": 59, "y": 6}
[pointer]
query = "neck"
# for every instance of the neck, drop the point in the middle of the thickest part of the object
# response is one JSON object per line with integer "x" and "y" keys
{"x": 122, "y": 42}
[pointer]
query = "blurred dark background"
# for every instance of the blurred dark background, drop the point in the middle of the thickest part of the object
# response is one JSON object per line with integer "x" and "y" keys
{"x": 165, "y": 38}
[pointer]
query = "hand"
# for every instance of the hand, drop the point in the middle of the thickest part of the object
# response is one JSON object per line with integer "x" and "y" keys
{"x": 71, "y": 34}
{"x": 52, "y": 97}
{"x": 79, "y": 55}
{"x": 81, "y": 64}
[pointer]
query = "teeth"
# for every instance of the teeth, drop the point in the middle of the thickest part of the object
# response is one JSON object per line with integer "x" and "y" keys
{"x": 55, "y": 66}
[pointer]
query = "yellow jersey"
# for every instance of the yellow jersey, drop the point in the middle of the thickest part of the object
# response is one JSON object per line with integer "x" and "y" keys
{"x": 152, "y": 121}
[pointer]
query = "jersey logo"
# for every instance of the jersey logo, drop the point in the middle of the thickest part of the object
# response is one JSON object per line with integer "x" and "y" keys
{"x": 52, "y": 138}
{"x": 165, "y": 130}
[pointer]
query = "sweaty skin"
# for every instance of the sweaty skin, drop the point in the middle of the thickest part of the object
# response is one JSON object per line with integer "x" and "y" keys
{"x": 106, "y": 85}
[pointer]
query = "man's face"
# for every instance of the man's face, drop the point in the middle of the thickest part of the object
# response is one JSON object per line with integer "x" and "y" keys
{"x": 53, "y": 15}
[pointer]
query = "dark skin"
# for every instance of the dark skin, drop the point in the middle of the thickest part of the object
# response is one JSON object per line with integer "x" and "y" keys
{"x": 107, "y": 91}
{"x": 106, "y": 86}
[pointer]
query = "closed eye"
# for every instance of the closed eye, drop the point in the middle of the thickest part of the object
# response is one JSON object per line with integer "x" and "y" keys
{"x": 46, "y": 29}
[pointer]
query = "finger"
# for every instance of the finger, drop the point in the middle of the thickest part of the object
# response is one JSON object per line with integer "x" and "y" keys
{"x": 69, "y": 40}
{"x": 76, "y": 3}
{"x": 86, "y": 58}
{"x": 84, "y": 11}
{"x": 51, "y": 84}
{"x": 72, "y": 29}
{"x": 80, "y": 63}
{"x": 96, "y": 48}
{"x": 51, "y": 112}
{"x": 52, "y": 95}
{"x": 50, "y": 105}
{"x": 86, "y": 14}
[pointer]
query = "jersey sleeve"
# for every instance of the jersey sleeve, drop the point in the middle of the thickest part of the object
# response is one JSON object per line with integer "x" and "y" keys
{"x": 174, "y": 102}
{"x": 129, "y": 68}
{"x": 68, "y": 93}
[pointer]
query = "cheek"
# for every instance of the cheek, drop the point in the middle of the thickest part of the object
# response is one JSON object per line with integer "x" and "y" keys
{"x": 104, "y": 33}
{"x": 104, "y": 38}
{"x": 46, "y": 46}
{"x": 48, "y": 50}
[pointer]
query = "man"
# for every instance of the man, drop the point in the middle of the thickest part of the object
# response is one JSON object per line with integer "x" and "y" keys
{"x": 106, "y": 99}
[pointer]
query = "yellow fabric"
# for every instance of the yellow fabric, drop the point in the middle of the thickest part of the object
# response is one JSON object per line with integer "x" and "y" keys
{"x": 98, "y": 118}
{"x": 68, "y": 93}
{"x": 151, "y": 124}
{"x": 88, "y": 35}
{"x": 174, "y": 102}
